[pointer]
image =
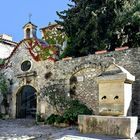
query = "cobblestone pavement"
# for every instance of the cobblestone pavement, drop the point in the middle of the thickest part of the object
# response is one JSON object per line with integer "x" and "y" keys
{"x": 25, "y": 129}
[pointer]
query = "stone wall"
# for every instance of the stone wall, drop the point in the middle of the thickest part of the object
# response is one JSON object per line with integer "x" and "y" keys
{"x": 77, "y": 77}
{"x": 86, "y": 69}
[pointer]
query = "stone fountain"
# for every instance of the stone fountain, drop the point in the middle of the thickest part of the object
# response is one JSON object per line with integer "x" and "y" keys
{"x": 115, "y": 95}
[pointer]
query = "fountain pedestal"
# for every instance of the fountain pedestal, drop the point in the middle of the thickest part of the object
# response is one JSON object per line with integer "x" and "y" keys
{"x": 121, "y": 127}
{"x": 115, "y": 95}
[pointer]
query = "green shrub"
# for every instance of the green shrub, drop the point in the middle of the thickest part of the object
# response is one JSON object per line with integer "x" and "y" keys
{"x": 59, "y": 119}
{"x": 70, "y": 115}
{"x": 76, "y": 108}
{"x": 51, "y": 119}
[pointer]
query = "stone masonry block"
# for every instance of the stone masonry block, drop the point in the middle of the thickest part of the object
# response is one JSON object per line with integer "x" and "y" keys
{"x": 121, "y": 127}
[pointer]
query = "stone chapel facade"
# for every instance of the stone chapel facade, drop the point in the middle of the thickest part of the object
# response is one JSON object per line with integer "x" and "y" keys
{"x": 25, "y": 70}
{"x": 77, "y": 77}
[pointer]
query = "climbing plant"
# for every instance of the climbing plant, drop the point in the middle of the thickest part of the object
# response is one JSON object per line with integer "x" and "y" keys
{"x": 3, "y": 84}
{"x": 3, "y": 90}
{"x": 40, "y": 50}
{"x": 55, "y": 36}
{"x": 67, "y": 108}
{"x": 55, "y": 97}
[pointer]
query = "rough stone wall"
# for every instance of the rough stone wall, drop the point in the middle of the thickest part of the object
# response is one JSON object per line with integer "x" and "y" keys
{"x": 77, "y": 76}
{"x": 91, "y": 66}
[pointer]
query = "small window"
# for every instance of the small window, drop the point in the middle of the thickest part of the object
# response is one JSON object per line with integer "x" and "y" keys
{"x": 26, "y": 65}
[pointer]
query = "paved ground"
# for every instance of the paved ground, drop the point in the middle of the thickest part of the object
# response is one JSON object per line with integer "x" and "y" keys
{"x": 21, "y": 129}
{"x": 25, "y": 129}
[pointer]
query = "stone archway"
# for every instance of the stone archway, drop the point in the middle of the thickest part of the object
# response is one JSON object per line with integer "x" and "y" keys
{"x": 26, "y": 102}
{"x": 84, "y": 87}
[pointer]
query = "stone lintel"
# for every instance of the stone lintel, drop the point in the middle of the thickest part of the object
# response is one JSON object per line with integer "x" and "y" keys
{"x": 27, "y": 74}
{"x": 121, "y": 127}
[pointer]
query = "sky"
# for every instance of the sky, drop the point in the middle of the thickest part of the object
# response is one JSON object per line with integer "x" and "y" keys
{"x": 14, "y": 14}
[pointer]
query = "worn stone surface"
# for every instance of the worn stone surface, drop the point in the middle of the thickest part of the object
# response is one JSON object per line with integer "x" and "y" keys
{"x": 122, "y": 127}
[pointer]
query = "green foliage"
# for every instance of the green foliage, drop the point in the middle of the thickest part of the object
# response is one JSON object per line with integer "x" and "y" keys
{"x": 51, "y": 119}
{"x": 129, "y": 21}
{"x": 67, "y": 108}
{"x": 70, "y": 115}
{"x": 59, "y": 119}
{"x": 4, "y": 90}
{"x": 96, "y": 25}
{"x": 76, "y": 108}
{"x": 3, "y": 84}
{"x": 55, "y": 36}
{"x": 55, "y": 97}
{"x": 40, "y": 50}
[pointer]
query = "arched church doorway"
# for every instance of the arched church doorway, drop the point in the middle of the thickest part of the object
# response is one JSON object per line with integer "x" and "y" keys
{"x": 26, "y": 102}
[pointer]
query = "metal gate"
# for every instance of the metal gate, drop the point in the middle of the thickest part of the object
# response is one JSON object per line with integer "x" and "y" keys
{"x": 26, "y": 102}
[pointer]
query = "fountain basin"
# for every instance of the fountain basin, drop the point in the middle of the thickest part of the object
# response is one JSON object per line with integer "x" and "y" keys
{"x": 120, "y": 126}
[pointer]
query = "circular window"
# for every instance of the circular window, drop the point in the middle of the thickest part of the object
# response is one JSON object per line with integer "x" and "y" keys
{"x": 26, "y": 65}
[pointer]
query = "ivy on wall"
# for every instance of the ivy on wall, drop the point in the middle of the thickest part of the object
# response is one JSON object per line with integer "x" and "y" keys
{"x": 41, "y": 50}
{"x": 55, "y": 36}
{"x": 3, "y": 90}
{"x": 56, "y": 97}
{"x": 3, "y": 84}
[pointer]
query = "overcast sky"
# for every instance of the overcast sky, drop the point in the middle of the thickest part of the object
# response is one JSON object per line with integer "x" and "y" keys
{"x": 14, "y": 14}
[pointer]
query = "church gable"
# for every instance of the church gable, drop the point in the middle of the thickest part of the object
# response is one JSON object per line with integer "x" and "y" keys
{"x": 20, "y": 53}
{"x": 32, "y": 49}
{"x": 17, "y": 58}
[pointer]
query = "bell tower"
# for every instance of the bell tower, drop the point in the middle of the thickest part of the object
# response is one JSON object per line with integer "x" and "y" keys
{"x": 29, "y": 30}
